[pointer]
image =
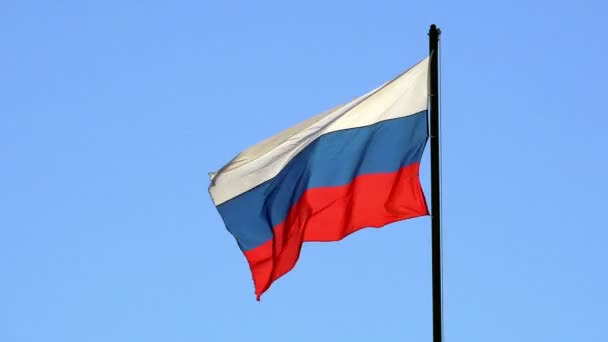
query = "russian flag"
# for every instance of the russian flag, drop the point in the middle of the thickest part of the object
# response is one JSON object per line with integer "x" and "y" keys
{"x": 352, "y": 167}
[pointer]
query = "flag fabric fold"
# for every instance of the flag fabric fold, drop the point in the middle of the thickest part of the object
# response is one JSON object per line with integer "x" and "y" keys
{"x": 352, "y": 167}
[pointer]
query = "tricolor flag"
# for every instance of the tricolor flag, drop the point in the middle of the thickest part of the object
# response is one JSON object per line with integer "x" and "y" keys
{"x": 352, "y": 167}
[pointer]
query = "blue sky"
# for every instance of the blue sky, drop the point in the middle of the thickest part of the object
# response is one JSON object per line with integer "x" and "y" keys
{"x": 113, "y": 112}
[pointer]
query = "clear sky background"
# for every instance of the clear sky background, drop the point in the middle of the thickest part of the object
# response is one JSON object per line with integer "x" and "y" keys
{"x": 113, "y": 112}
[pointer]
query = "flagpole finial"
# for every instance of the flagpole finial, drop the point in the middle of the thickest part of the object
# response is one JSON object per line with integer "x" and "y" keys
{"x": 434, "y": 30}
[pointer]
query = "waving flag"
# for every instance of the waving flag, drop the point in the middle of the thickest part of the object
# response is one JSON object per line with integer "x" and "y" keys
{"x": 352, "y": 167}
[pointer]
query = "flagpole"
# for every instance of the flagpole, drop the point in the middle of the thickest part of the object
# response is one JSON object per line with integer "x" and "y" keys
{"x": 434, "y": 34}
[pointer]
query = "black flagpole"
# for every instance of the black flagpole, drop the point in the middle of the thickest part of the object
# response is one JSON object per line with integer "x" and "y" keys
{"x": 434, "y": 34}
